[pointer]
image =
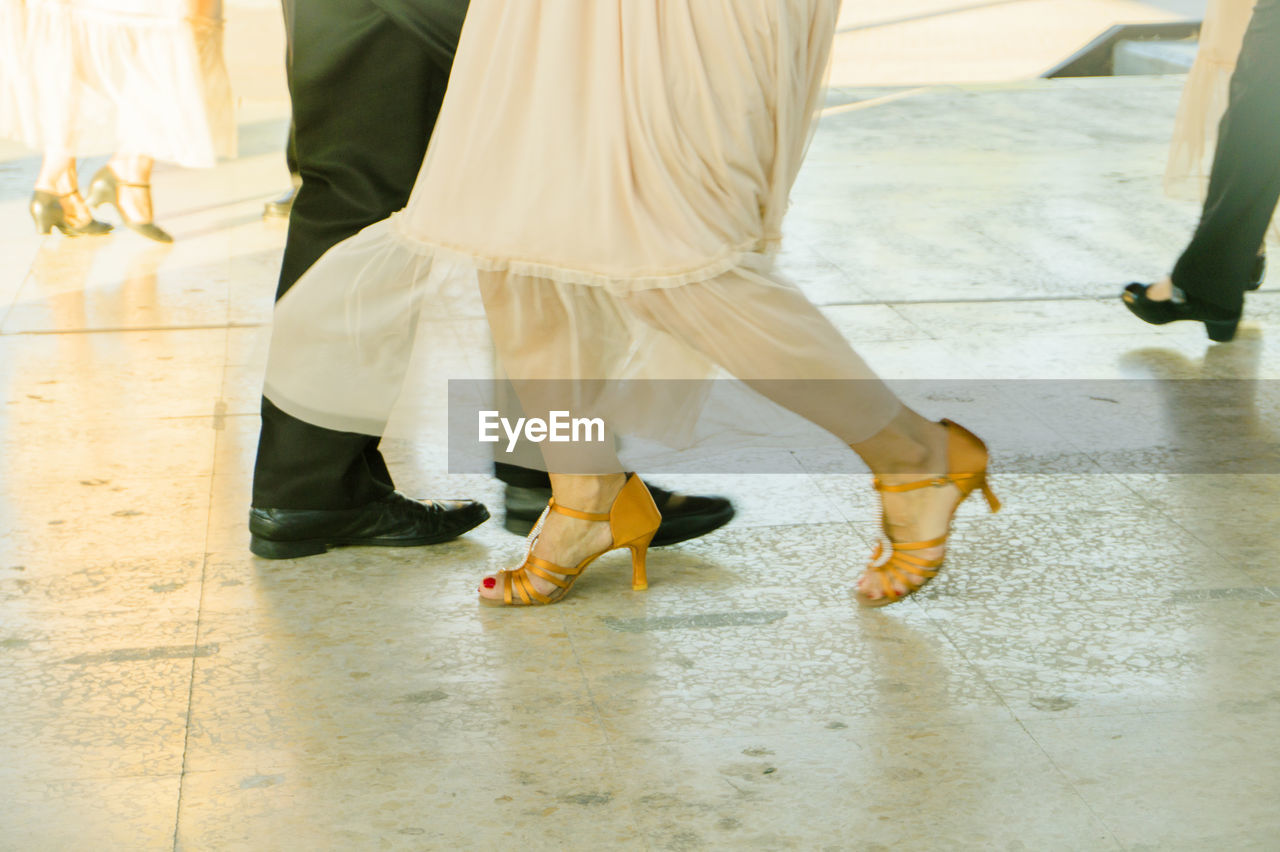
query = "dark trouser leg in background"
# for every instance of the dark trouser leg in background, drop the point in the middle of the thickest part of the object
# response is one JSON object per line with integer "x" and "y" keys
{"x": 282, "y": 205}
{"x": 291, "y": 151}
{"x": 365, "y": 98}
{"x": 1244, "y": 184}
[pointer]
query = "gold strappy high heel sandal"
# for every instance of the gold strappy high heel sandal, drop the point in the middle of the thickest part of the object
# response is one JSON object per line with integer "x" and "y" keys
{"x": 967, "y": 470}
{"x": 633, "y": 520}
{"x": 105, "y": 189}
{"x": 49, "y": 212}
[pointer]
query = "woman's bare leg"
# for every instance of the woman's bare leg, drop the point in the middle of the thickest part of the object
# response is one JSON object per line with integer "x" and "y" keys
{"x": 750, "y": 325}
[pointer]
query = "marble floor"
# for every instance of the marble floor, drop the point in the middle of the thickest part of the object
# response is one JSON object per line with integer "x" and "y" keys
{"x": 929, "y": 41}
{"x": 1097, "y": 668}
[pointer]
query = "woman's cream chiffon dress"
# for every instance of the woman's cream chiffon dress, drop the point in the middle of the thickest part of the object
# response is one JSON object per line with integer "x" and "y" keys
{"x": 614, "y": 173}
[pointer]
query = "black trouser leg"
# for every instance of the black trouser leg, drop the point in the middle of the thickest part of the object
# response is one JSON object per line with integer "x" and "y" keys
{"x": 521, "y": 477}
{"x": 1244, "y": 184}
{"x": 291, "y": 152}
{"x": 366, "y": 94}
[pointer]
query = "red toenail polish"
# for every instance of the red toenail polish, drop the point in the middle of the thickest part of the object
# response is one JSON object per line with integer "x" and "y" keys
{"x": 489, "y": 582}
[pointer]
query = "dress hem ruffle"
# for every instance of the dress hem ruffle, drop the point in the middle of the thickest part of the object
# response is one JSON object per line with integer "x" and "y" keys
{"x": 748, "y": 255}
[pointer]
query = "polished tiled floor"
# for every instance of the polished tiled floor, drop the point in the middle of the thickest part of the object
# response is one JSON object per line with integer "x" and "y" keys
{"x": 1096, "y": 669}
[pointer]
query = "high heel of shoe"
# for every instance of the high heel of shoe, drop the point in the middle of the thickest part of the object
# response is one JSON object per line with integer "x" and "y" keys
{"x": 639, "y": 577}
{"x": 1219, "y": 323}
{"x": 1221, "y": 331}
{"x": 48, "y": 213}
{"x": 105, "y": 189}
{"x": 633, "y": 520}
{"x": 967, "y": 459}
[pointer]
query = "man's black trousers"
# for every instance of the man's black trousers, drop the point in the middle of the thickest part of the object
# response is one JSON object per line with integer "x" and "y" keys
{"x": 366, "y": 88}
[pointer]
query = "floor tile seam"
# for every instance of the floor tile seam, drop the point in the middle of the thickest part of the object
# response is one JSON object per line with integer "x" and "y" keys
{"x": 895, "y": 309}
{"x": 606, "y": 734}
{"x": 221, "y": 205}
{"x": 1205, "y": 545}
{"x": 52, "y": 332}
{"x": 195, "y": 658}
{"x": 596, "y": 712}
{"x": 17, "y": 293}
{"x": 973, "y": 666}
{"x": 380, "y": 760}
{"x": 8, "y": 308}
{"x": 1073, "y": 787}
{"x": 94, "y": 779}
{"x": 977, "y": 300}
{"x": 976, "y": 228}
{"x": 1029, "y": 600}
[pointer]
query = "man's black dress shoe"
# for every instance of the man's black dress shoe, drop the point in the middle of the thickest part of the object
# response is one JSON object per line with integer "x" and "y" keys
{"x": 683, "y": 516}
{"x": 393, "y": 521}
{"x": 1218, "y": 322}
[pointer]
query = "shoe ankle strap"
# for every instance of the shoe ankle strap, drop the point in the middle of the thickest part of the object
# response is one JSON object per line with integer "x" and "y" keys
{"x": 574, "y": 513}
{"x": 934, "y": 482}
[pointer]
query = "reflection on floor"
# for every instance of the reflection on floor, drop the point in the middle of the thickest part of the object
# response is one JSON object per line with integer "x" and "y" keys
{"x": 1097, "y": 668}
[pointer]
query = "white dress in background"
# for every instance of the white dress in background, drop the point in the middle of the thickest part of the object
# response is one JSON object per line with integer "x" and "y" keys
{"x": 616, "y": 172}
{"x": 96, "y": 76}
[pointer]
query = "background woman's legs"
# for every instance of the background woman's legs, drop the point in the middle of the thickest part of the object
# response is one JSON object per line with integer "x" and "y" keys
{"x": 1244, "y": 186}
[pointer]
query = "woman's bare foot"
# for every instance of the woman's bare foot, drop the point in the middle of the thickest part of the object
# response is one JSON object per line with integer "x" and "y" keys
{"x": 562, "y": 540}
{"x": 1161, "y": 291}
{"x": 917, "y": 451}
{"x": 911, "y": 516}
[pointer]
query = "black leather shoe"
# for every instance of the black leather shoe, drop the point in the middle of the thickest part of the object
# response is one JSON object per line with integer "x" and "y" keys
{"x": 683, "y": 516}
{"x": 393, "y": 521}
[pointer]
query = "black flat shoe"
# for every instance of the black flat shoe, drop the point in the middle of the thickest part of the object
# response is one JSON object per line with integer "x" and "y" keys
{"x": 393, "y": 521}
{"x": 1218, "y": 322}
{"x": 684, "y": 516}
{"x": 48, "y": 213}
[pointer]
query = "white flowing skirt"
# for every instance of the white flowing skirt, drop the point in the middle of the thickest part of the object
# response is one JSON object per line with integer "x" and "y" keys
{"x": 94, "y": 76}
{"x": 614, "y": 173}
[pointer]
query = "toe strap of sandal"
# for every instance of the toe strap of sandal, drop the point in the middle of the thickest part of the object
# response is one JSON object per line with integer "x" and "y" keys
{"x": 518, "y": 580}
{"x": 905, "y": 566}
